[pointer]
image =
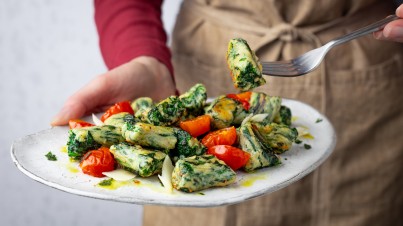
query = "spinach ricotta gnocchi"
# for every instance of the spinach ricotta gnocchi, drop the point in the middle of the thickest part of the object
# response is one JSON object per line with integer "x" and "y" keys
{"x": 245, "y": 68}
{"x": 139, "y": 160}
{"x": 141, "y": 141}
{"x": 148, "y": 135}
{"x": 84, "y": 139}
{"x": 200, "y": 172}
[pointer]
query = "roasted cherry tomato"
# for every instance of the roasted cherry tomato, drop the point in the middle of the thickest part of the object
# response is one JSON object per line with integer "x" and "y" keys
{"x": 97, "y": 161}
{"x": 232, "y": 156}
{"x": 242, "y": 97}
{"x": 197, "y": 126}
{"x": 226, "y": 136}
{"x": 78, "y": 123}
{"x": 117, "y": 108}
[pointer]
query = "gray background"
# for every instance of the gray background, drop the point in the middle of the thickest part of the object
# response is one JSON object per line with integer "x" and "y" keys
{"x": 48, "y": 49}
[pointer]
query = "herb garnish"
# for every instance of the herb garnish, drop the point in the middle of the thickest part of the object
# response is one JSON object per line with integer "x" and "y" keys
{"x": 51, "y": 157}
{"x": 297, "y": 141}
{"x": 307, "y": 146}
{"x": 106, "y": 182}
{"x": 319, "y": 120}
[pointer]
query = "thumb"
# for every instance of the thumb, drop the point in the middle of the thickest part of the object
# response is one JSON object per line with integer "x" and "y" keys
{"x": 71, "y": 110}
{"x": 399, "y": 11}
{"x": 82, "y": 102}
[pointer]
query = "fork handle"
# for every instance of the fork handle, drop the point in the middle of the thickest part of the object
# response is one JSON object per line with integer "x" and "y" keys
{"x": 363, "y": 31}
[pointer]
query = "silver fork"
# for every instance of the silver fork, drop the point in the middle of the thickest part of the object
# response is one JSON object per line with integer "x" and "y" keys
{"x": 311, "y": 60}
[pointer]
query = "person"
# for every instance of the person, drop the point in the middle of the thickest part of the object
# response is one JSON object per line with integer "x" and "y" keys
{"x": 357, "y": 87}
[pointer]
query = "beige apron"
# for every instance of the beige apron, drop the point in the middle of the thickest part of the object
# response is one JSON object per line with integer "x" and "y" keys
{"x": 357, "y": 87}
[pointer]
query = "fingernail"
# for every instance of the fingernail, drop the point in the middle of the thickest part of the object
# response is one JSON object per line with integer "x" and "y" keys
{"x": 61, "y": 118}
{"x": 393, "y": 32}
{"x": 397, "y": 31}
{"x": 399, "y": 11}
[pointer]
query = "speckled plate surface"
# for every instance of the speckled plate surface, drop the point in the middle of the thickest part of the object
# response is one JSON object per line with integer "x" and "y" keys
{"x": 28, "y": 154}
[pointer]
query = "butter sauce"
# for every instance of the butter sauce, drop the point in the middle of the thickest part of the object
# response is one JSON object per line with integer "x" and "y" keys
{"x": 114, "y": 184}
{"x": 252, "y": 179}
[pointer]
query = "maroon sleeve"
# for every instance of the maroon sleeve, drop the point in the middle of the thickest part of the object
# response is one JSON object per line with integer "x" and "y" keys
{"x": 131, "y": 28}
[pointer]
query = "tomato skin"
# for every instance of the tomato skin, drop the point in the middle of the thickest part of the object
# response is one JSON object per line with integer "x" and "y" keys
{"x": 197, "y": 126}
{"x": 232, "y": 156}
{"x": 78, "y": 123}
{"x": 243, "y": 98}
{"x": 119, "y": 107}
{"x": 226, "y": 136}
{"x": 97, "y": 161}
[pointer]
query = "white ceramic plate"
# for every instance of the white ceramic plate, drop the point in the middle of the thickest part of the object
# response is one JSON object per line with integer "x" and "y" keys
{"x": 28, "y": 154}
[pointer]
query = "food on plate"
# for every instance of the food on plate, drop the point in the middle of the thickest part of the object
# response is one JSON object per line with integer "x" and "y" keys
{"x": 230, "y": 110}
{"x": 194, "y": 102}
{"x": 123, "y": 106}
{"x": 144, "y": 134}
{"x": 50, "y": 156}
{"x": 225, "y": 112}
{"x": 138, "y": 160}
{"x": 245, "y": 68}
{"x": 225, "y": 136}
{"x": 166, "y": 112}
{"x": 78, "y": 123}
{"x": 194, "y": 99}
{"x": 283, "y": 116}
{"x": 84, "y": 139}
{"x": 196, "y": 173}
{"x": 166, "y": 174}
{"x": 141, "y": 107}
{"x": 187, "y": 145}
{"x": 141, "y": 103}
{"x": 245, "y": 131}
{"x": 263, "y": 103}
{"x": 244, "y": 98}
{"x": 120, "y": 119}
{"x": 260, "y": 156}
{"x": 196, "y": 126}
{"x": 278, "y": 138}
{"x": 232, "y": 156}
{"x": 200, "y": 143}
{"x": 95, "y": 162}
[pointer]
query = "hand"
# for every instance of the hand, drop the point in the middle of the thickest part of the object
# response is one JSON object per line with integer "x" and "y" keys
{"x": 393, "y": 31}
{"x": 143, "y": 76}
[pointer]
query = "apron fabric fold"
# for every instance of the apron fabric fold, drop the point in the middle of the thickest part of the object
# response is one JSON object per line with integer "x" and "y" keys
{"x": 357, "y": 87}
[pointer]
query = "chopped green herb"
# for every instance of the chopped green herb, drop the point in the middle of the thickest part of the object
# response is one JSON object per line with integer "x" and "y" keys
{"x": 285, "y": 158}
{"x": 307, "y": 146}
{"x": 106, "y": 182}
{"x": 51, "y": 157}
{"x": 297, "y": 141}
{"x": 201, "y": 193}
{"x": 319, "y": 120}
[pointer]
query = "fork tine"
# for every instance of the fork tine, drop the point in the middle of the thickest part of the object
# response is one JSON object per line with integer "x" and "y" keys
{"x": 291, "y": 68}
{"x": 279, "y": 66}
{"x": 279, "y": 69}
{"x": 283, "y": 74}
{"x": 271, "y": 64}
{"x": 291, "y": 71}
{"x": 277, "y": 62}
